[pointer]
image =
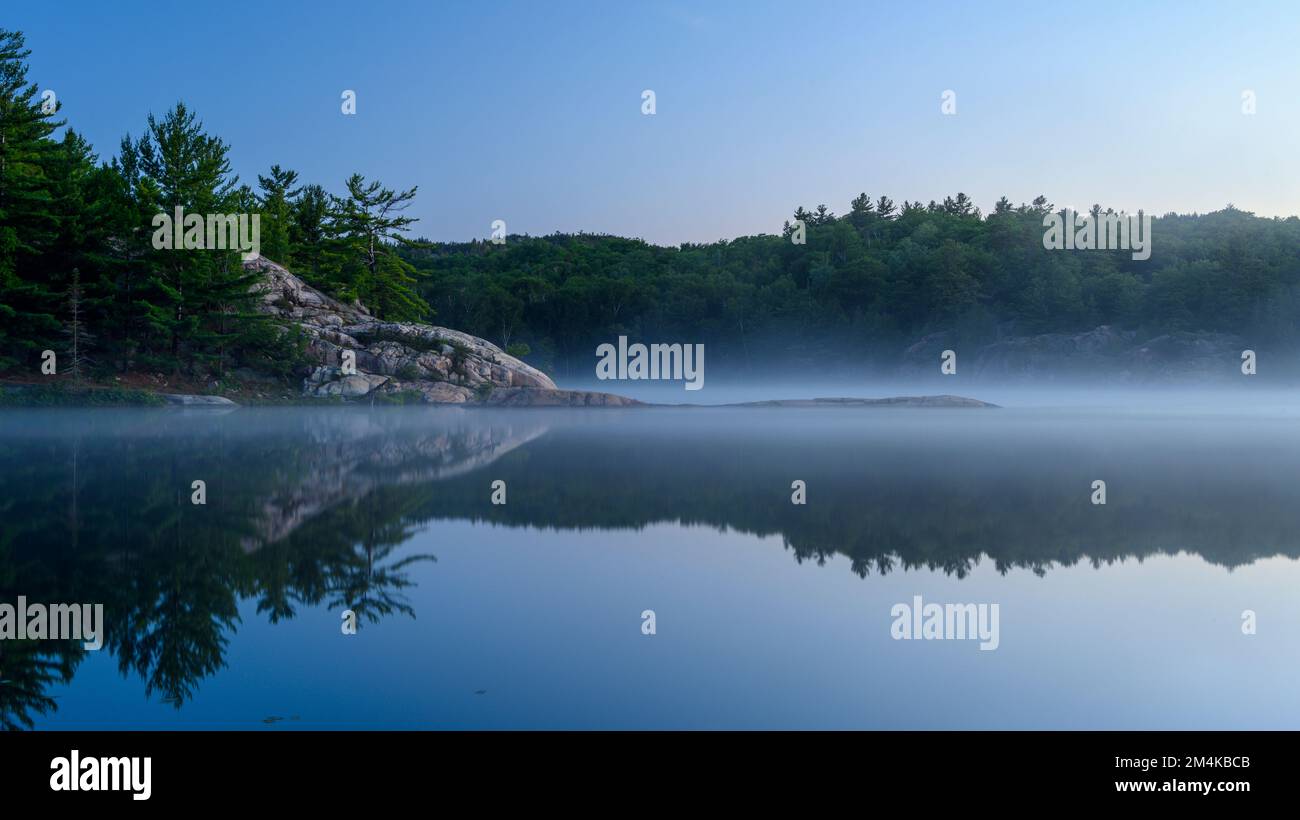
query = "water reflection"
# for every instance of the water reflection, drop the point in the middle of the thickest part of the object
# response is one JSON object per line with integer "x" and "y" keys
{"x": 310, "y": 508}
{"x": 302, "y": 510}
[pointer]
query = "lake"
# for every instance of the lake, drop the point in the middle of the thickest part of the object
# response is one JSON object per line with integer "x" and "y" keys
{"x": 766, "y": 614}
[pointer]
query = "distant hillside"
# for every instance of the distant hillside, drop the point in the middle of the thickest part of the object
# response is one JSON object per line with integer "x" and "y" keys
{"x": 868, "y": 285}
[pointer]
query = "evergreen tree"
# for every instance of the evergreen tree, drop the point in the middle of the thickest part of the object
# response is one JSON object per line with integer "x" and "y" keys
{"x": 198, "y": 299}
{"x": 370, "y": 227}
{"x": 28, "y": 224}
{"x": 309, "y": 234}
{"x": 276, "y": 205}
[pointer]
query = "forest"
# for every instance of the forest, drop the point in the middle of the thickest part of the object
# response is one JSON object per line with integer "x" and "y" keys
{"x": 79, "y": 274}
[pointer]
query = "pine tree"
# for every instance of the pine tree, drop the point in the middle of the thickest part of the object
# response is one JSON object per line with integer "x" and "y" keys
{"x": 861, "y": 211}
{"x": 370, "y": 226}
{"x": 309, "y": 234}
{"x": 198, "y": 300}
{"x": 276, "y": 206}
{"x": 28, "y": 224}
{"x": 124, "y": 202}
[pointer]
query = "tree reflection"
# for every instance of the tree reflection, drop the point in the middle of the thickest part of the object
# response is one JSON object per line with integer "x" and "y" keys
{"x": 310, "y": 510}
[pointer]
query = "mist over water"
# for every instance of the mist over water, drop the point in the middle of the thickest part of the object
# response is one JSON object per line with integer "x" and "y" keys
{"x": 770, "y": 614}
{"x": 1241, "y": 395}
{"x": 712, "y": 397}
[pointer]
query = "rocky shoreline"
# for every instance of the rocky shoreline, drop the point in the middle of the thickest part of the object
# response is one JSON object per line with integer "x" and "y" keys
{"x": 35, "y": 395}
{"x": 437, "y": 365}
{"x": 424, "y": 363}
{"x": 358, "y": 358}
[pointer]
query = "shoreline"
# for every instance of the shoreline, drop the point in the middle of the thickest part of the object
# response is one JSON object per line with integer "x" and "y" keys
{"x": 63, "y": 394}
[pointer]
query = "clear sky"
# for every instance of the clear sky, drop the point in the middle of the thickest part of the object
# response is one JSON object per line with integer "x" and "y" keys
{"x": 531, "y": 111}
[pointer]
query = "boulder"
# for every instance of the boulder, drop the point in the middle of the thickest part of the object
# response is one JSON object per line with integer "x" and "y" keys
{"x": 441, "y": 365}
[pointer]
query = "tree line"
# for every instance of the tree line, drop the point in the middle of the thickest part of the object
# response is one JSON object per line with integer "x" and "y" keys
{"x": 81, "y": 272}
{"x": 865, "y": 284}
{"x": 78, "y": 269}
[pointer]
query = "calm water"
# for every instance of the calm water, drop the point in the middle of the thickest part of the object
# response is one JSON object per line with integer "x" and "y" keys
{"x": 768, "y": 614}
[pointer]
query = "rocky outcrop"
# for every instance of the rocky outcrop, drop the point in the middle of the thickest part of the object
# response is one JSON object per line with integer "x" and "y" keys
{"x": 525, "y": 397}
{"x": 436, "y": 365}
{"x": 1106, "y": 352}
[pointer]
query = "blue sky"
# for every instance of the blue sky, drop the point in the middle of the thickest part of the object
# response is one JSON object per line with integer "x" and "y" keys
{"x": 531, "y": 112}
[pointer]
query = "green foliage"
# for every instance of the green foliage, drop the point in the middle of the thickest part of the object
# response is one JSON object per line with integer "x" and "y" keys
{"x": 80, "y": 262}
{"x": 409, "y": 372}
{"x": 400, "y": 397}
{"x": 29, "y": 219}
{"x": 276, "y": 206}
{"x": 861, "y": 287}
{"x": 309, "y": 235}
{"x": 346, "y": 246}
{"x": 368, "y": 228}
{"x": 197, "y": 303}
{"x": 60, "y": 394}
{"x": 865, "y": 284}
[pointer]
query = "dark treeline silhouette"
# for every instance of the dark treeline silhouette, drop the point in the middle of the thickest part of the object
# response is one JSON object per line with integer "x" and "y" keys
{"x": 78, "y": 268}
{"x": 867, "y": 283}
